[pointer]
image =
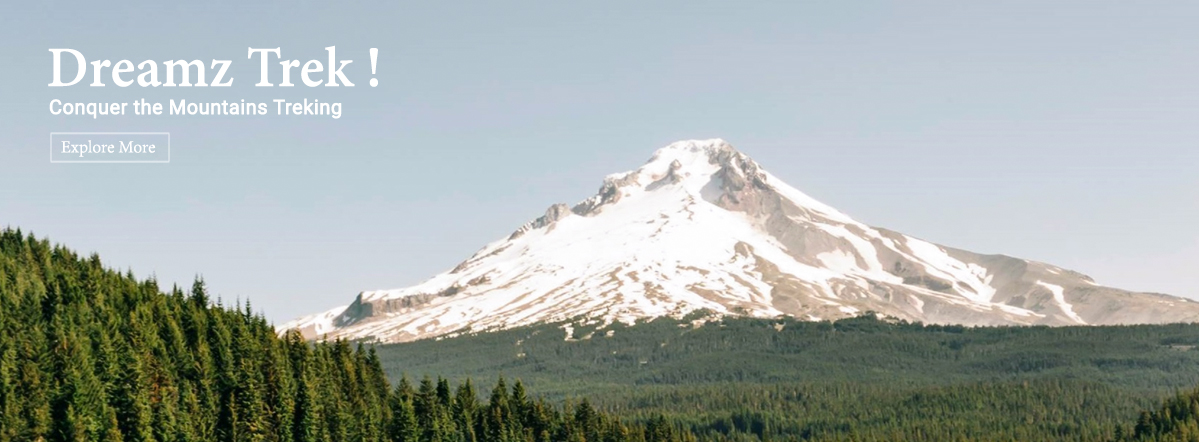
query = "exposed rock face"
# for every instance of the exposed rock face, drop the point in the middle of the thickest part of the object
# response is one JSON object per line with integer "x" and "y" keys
{"x": 552, "y": 215}
{"x": 702, "y": 226}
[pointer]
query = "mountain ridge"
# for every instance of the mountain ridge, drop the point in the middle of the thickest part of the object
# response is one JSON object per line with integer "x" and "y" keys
{"x": 703, "y": 226}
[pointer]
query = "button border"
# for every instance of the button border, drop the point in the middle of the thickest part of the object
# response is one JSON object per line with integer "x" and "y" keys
{"x": 168, "y": 160}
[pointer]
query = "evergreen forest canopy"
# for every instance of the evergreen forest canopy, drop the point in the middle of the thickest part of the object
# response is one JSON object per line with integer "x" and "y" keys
{"x": 859, "y": 379}
{"x": 91, "y": 354}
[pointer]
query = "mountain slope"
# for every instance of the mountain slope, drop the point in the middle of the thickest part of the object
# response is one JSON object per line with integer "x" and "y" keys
{"x": 702, "y": 226}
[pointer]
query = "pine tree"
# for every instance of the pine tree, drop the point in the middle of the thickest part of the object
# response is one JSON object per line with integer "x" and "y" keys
{"x": 500, "y": 425}
{"x": 131, "y": 398}
{"x": 403, "y": 425}
{"x": 587, "y": 421}
{"x": 466, "y": 406}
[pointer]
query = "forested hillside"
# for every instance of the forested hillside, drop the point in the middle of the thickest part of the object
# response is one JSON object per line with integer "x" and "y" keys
{"x": 862, "y": 378}
{"x": 90, "y": 354}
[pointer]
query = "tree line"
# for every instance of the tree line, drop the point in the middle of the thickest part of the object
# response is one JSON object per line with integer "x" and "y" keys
{"x": 91, "y": 354}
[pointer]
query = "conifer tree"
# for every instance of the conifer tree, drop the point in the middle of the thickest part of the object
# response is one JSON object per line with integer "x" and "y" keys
{"x": 466, "y": 407}
{"x": 499, "y": 420}
{"x": 403, "y": 425}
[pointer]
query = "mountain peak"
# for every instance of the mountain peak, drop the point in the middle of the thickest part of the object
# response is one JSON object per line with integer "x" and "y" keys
{"x": 703, "y": 226}
{"x": 689, "y": 150}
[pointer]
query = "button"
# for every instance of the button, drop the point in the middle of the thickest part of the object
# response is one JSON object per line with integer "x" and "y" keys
{"x": 110, "y": 147}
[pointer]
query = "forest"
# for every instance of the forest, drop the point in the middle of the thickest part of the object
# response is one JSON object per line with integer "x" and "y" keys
{"x": 862, "y": 378}
{"x": 91, "y": 354}
{"x": 88, "y": 353}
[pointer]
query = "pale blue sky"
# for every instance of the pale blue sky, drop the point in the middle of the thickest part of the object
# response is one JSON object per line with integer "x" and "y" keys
{"x": 1066, "y": 132}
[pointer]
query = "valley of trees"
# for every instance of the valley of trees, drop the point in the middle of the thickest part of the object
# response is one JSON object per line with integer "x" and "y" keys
{"x": 91, "y": 354}
{"x": 853, "y": 379}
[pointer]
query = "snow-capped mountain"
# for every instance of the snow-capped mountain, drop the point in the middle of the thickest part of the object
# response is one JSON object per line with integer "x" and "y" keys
{"x": 702, "y": 226}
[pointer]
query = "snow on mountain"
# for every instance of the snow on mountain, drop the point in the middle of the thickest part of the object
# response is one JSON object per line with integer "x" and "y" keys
{"x": 702, "y": 226}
